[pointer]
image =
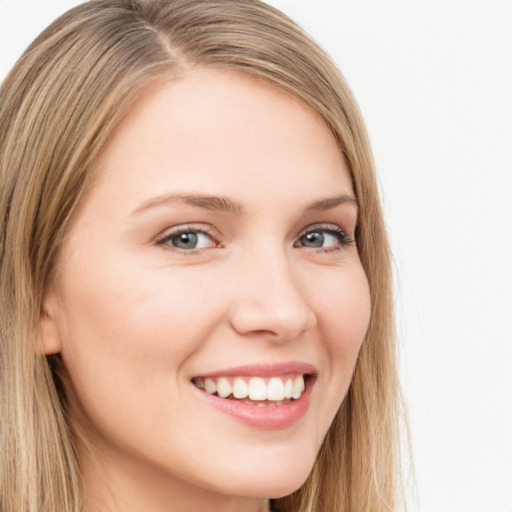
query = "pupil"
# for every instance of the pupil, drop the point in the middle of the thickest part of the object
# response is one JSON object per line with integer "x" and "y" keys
{"x": 185, "y": 240}
{"x": 314, "y": 239}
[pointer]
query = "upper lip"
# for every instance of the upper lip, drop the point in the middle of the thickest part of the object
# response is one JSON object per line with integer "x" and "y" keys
{"x": 263, "y": 370}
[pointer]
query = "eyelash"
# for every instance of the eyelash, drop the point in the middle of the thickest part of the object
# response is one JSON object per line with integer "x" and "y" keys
{"x": 182, "y": 230}
{"x": 342, "y": 237}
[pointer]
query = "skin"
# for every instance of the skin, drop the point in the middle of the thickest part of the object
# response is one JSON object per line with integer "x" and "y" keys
{"x": 136, "y": 319}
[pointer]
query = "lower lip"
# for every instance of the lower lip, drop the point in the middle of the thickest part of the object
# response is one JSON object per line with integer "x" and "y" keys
{"x": 268, "y": 417}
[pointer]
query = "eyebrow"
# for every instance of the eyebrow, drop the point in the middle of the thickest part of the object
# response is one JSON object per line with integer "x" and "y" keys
{"x": 214, "y": 203}
{"x": 331, "y": 202}
{"x": 226, "y": 205}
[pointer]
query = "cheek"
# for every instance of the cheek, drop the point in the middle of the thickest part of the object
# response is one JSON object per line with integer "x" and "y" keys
{"x": 136, "y": 308}
{"x": 127, "y": 335}
{"x": 344, "y": 314}
{"x": 344, "y": 307}
{"x": 127, "y": 329}
{"x": 341, "y": 299}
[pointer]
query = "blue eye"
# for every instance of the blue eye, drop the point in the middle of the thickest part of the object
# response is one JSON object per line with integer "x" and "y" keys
{"x": 324, "y": 238}
{"x": 188, "y": 239}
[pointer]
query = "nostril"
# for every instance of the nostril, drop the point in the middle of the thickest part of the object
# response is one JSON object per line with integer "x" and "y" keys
{"x": 279, "y": 322}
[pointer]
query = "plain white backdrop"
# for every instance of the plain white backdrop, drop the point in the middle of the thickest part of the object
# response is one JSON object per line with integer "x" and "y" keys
{"x": 434, "y": 82}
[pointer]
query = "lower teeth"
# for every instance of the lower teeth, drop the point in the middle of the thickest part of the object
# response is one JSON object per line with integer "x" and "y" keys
{"x": 261, "y": 403}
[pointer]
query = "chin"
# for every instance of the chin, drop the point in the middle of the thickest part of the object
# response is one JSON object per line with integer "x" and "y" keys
{"x": 283, "y": 486}
{"x": 274, "y": 482}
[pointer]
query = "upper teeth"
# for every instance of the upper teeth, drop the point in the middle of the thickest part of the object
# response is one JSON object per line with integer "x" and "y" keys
{"x": 256, "y": 388}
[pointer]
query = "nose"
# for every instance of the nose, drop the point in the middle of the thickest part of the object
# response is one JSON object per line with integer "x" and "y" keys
{"x": 271, "y": 300}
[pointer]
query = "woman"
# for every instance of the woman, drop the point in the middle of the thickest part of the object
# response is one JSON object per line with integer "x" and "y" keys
{"x": 195, "y": 279}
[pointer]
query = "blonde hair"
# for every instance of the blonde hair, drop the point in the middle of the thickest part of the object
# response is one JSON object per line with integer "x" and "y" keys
{"x": 58, "y": 106}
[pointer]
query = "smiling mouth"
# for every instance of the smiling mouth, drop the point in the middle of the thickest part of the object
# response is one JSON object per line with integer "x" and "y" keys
{"x": 257, "y": 391}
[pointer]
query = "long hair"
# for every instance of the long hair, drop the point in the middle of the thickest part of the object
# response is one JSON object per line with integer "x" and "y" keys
{"x": 58, "y": 106}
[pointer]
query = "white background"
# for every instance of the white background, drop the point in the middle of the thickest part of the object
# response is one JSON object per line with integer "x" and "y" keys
{"x": 434, "y": 81}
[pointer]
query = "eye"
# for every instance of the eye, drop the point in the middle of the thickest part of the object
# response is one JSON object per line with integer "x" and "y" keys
{"x": 324, "y": 237}
{"x": 187, "y": 239}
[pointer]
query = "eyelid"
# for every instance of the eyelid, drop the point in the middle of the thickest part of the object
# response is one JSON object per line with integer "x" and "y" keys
{"x": 207, "y": 229}
{"x": 323, "y": 226}
{"x": 332, "y": 228}
{"x": 343, "y": 237}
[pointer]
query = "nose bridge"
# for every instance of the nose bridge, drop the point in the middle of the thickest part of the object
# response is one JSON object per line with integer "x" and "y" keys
{"x": 269, "y": 297}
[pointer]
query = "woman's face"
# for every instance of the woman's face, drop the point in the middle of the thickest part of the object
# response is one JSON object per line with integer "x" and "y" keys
{"x": 215, "y": 250}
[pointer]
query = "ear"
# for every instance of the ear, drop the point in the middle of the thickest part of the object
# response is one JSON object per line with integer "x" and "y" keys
{"x": 49, "y": 339}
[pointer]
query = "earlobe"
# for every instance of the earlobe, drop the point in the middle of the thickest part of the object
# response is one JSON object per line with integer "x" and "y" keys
{"x": 49, "y": 341}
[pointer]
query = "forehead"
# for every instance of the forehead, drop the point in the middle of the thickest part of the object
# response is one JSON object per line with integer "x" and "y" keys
{"x": 224, "y": 131}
